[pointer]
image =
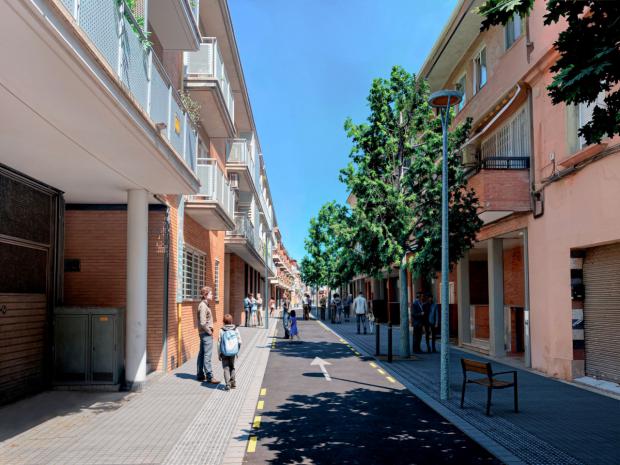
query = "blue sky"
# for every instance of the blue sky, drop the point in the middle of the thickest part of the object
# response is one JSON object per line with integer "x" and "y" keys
{"x": 308, "y": 65}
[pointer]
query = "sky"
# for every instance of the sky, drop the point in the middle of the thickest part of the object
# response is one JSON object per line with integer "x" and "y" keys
{"x": 308, "y": 65}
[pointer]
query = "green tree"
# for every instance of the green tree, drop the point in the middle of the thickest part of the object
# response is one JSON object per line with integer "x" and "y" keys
{"x": 395, "y": 175}
{"x": 592, "y": 25}
{"x": 330, "y": 259}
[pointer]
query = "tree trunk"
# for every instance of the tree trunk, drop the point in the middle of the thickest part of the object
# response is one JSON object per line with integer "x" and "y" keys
{"x": 405, "y": 350}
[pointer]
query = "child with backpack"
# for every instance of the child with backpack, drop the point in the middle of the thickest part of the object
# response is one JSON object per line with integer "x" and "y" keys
{"x": 229, "y": 346}
{"x": 293, "y": 329}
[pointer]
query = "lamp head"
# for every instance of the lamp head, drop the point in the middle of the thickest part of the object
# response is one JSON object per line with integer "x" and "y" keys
{"x": 445, "y": 98}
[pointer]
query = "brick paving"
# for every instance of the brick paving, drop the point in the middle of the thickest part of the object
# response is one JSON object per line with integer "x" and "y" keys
{"x": 557, "y": 424}
{"x": 175, "y": 420}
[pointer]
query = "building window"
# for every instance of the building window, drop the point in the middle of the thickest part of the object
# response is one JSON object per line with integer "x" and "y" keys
{"x": 513, "y": 30}
{"x": 193, "y": 273}
{"x": 216, "y": 286}
{"x": 460, "y": 86}
{"x": 480, "y": 70}
{"x": 578, "y": 116}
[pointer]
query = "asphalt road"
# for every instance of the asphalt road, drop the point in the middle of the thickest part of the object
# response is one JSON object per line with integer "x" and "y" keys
{"x": 361, "y": 416}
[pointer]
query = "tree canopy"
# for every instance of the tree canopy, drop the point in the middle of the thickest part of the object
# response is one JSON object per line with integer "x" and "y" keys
{"x": 394, "y": 172}
{"x": 580, "y": 76}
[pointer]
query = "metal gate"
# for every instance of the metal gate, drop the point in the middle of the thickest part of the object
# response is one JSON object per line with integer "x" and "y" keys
{"x": 29, "y": 216}
{"x": 601, "y": 272}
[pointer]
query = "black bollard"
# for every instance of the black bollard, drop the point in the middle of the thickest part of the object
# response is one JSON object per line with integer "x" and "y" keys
{"x": 389, "y": 343}
{"x": 377, "y": 338}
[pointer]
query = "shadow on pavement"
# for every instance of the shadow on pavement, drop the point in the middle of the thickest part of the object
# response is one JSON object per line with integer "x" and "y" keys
{"x": 311, "y": 349}
{"x": 363, "y": 426}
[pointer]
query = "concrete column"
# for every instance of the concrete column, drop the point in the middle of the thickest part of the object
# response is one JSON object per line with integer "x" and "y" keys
{"x": 137, "y": 268}
{"x": 496, "y": 297}
{"x": 464, "y": 303}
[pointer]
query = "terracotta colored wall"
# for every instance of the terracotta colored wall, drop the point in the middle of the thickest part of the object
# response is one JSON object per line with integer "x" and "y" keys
{"x": 99, "y": 240}
{"x": 237, "y": 288}
{"x": 514, "y": 277}
{"x": 502, "y": 189}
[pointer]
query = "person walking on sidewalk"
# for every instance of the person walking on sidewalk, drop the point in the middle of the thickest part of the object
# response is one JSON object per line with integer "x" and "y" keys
{"x": 259, "y": 309}
{"x": 431, "y": 322}
{"x": 347, "y": 308}
{"x": 229, "y": 346}
{"x": 360, "y": 307}
{"x": 253, "y": 309}
{"x": 286, "y": 317}
{"x": 322, "y": 305}
{"x": 371, "y": 321}
{"x": 417, "y": 315}
{"x": 205, "y": 331}
{"x": 272, "y": 306}
{"x": 247, "y": 307}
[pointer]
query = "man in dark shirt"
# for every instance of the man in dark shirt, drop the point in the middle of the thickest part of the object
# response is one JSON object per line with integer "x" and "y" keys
{"x": 417, "y": 316}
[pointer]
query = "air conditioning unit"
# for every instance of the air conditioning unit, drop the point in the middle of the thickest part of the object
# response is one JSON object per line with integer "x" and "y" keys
{"x": 234, "y": 180}
{"x": 470, "y": 155}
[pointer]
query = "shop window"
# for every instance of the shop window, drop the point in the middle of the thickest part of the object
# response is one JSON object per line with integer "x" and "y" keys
{"x": 193, "y": 273}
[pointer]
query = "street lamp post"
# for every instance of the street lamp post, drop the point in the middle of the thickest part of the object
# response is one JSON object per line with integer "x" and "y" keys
{"x": 442, "y": 100}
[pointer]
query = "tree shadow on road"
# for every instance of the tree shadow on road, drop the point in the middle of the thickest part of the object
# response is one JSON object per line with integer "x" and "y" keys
{"x": 311, "y": 349}
{"x": 362, "y": 426}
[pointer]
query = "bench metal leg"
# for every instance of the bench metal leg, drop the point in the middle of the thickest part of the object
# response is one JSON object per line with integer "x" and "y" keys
{"x": 489, "y": 391}
{"x": 463, "y": 393}
{"x": 516, "y": 399}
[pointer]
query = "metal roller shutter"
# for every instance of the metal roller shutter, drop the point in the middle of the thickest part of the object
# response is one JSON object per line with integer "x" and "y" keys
{"x": 601, "y": 272}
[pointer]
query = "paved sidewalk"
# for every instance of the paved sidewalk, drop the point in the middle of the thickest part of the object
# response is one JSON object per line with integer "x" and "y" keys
{"x": 557, "y": 423}
{"x": 175, "y": 420}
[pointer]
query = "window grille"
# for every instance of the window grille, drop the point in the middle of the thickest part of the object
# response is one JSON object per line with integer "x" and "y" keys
{"x": 509, "y": 147}
{"x": 193, "y": 273}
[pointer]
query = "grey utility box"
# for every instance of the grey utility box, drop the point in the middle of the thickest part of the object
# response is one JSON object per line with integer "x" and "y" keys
{"x": 88, "y": 345}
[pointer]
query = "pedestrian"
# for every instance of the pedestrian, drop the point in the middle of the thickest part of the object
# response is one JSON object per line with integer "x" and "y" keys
{"x": 371, "y": 321}
{"x": 339, "y": 309}
{"x": 205, "y": 331}
{"x": 306, "y": 303}
{"x": 253, "y": 310}
{"x": 323, "y": 304}
{"x": 309, "y": 304}
{"x": 272, "y": 306}
{"x": 286, "y": 317}
{"x": 259, "y": 309}
{"x": 360, "y": 307}
{"x": 294, "y": 331}
{"x": 332, "y": 309}
{"x": 247, "y": 308}
{"x": 431, "y": 313}
{"x": 417, "y": 316}
{"x": 228, "y": 347}
{"x": 347, "y": 308}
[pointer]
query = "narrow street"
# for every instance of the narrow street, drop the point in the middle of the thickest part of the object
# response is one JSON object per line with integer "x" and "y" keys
{"x": 361, "y": 416}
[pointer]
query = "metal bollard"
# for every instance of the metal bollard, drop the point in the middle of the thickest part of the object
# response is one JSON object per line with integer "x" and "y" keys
{"x": 377, "y": 338}
{"x": 389, "y": 359}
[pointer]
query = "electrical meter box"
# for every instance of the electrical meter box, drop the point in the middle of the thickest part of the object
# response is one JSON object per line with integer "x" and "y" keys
{"x": 89, "y": 345}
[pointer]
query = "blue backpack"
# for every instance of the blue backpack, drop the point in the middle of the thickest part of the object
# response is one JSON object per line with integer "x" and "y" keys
{"x": 229, "y": 343}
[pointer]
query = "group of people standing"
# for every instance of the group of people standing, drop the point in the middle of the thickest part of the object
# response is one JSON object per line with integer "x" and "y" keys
{"x": 253, "y": 309}
{"x": 425, "y": 318}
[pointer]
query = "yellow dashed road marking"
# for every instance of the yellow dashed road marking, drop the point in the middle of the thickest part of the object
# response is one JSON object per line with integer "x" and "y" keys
{"x": 263, "y": 391}
{"x": 380, "y": 371}
{"x": 373, "y": 364}
{"x": 256, "y": 422}
{"x": 390, "y": 379}
{"x": 261, "y": 405}
{"x": 358, "y": 354}
{"x": 252, "y": 444}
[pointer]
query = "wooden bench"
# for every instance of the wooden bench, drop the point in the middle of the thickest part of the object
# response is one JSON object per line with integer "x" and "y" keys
{"x": 489, "y": 381}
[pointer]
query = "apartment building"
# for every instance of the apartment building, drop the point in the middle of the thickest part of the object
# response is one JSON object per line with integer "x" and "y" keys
{"x": 286, "y": 283}
{"x": 118, "y": 203}
{"x": 540, "y": 284}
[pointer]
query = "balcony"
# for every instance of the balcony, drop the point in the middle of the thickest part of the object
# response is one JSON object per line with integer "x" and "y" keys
{"x": 175, "y": 23}
{"x": 121, "y": 125}
{"x": 245, "y": 242}
{"x": 214, "y": 206}
{"x": 207, "y": 82}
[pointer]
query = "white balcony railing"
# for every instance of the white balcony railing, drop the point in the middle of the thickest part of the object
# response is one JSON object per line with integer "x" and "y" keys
{"x": 214, "y": 185}
{"x": 111, "y": 27}
{"x": 208, "y": 62}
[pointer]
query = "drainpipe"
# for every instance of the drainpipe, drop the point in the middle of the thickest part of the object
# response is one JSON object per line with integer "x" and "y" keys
{"x": 530, "y": 102}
